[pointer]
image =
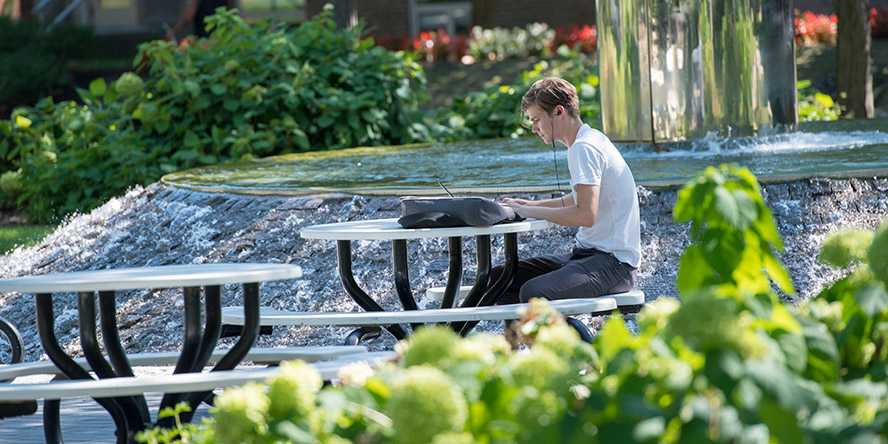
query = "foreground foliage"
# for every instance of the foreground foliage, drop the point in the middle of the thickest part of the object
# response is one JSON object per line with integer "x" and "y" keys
{"x": 730, "y": 363}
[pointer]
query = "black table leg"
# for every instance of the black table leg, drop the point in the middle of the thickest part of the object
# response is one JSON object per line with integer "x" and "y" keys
{"x": 190, "y": 346}
{"x": 402, "y": 281}
{"x": 505, "y": 280}
{"x": 45, "y": 328}
{"x": 236, "y": 354}
{"x": 113, "y": 345}
{"x": 482, "y": 277}
{"x": 346, "y": 276}
{"x": 212, "y": 330}
{"x": 86, "y": 307}
{"x": 454, "y": 271}
{"x": 212, "y": 326}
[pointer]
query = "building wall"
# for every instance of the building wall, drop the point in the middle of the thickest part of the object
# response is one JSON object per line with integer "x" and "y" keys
{"x": 509, "y": 13}
{"x": 826, "y": 6}
{"x": 382, "y": 18}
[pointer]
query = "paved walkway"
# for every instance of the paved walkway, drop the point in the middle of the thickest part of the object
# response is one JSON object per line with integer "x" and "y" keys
{"x": 83, "y": 421}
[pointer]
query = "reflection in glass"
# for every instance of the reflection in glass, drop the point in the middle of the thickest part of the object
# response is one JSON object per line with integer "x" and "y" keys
{"x": 679, "y": 69}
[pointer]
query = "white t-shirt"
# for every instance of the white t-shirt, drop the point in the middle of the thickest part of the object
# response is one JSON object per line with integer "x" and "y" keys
{"x": 594, "y": 160}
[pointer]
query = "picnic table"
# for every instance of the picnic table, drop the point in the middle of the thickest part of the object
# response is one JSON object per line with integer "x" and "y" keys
{"x": 483, "y": 292}
{"x": 130, "y": 413}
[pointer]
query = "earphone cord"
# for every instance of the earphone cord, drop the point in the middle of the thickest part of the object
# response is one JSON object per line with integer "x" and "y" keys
{"x": 555, "y": 163}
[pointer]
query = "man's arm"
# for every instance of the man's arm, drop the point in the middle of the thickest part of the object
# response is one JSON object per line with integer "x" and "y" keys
{"x": 583, "y": 213}
{"x": 556, "y": 202}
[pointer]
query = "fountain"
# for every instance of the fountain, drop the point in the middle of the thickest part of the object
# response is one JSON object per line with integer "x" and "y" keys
{"x": 817, "y": 180}
{"x": 680, "y": 69}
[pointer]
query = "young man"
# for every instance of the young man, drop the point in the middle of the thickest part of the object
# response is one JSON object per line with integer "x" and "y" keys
{"x": 603, "y": 204}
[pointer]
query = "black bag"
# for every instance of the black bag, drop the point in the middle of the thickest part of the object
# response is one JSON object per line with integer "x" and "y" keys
{"x": 442, "y": 212}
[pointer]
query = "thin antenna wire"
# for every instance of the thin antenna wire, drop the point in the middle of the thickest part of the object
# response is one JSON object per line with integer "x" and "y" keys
{"x": 555, "y": 162}
{"x": 445, "y": 188}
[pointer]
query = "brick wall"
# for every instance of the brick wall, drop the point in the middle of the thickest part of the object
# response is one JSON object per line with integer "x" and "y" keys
{"x": 388, "y": 19}
{"x": 826, "y": 6}
{"x": 509, "y": 13}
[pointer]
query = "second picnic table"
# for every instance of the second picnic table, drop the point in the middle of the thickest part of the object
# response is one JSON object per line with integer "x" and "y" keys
{"x": 130, "y": 413}
{"x": 483, "y": 292}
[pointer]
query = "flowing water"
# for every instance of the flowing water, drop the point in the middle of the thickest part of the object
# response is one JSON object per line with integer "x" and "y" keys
{"x": 523, "y": 164}
{"x": 167, "y": 224}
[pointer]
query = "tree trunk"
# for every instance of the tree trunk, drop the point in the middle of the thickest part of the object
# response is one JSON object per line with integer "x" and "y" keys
{"x": 855, "y": 78}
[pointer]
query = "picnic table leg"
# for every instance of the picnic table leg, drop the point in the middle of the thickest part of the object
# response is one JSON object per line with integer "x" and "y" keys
{"x": 15, "y": 341}
{"x": 212, "y": 326}
{"x": 505, "y": 279}
{"x": 236, "y": 353}
{"x": 482, "y": 277}
{"x": 581, "y": 328}
{"x": 113, "y": 345}
{"x": 402, "y": 287}
{"x": 212, "y": 330}
{"x": 89, "y": 342}
{"x": 190, "y": 346}
{"x": 347, "y": 277}
{"x": 454, "y": 271}
{"x": 45, "y": 328}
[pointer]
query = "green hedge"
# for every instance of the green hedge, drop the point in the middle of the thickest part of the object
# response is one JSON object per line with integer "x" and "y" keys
{"x": 496, "y": 111}
{"x": 730, "y": 363}
{"x": 248, "y": 90}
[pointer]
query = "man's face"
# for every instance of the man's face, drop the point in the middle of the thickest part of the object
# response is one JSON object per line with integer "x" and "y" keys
{"x": 541, "y": 122}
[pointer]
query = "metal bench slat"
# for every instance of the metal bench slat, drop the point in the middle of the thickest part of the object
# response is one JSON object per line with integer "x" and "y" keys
{"x": 567, "y": 307}
{"x": 263, "y": 355}
{"x": 180, "y": 383}
{"x": 631, "y": 297}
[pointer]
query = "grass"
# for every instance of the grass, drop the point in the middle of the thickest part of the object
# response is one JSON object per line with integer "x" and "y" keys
{"x": 12, "y": 236}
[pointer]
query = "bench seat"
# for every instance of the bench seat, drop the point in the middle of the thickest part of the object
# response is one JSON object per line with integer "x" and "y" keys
{"x": 256, "y": 355}
{"x": 268, "y": 316}
{"x": 628, "y": 302}
{"x": 179, "y": 383}
{"x": 463, "y": 318}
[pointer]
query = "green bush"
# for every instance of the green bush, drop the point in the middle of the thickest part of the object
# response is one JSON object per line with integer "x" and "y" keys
{"x": 815, "y": 105}
{"x": 730, "y": 363}
{"x": 496, "y": 111}
{"x": 247, "y": 90}
{"x": 33, "y": 61}
{"x": 266, "y": 89}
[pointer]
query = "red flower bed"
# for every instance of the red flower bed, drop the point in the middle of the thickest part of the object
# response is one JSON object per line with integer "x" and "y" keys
{"x": 582, "y": 37}
{"x": 878, "y": 21}
{"x": 440, "y": 45}
{"x": 812, "y": 29}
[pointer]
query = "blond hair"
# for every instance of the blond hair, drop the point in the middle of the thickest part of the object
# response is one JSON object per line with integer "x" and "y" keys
{"x": 550, "y": 92}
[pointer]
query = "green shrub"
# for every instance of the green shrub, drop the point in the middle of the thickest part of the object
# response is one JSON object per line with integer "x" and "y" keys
{"x": 266, "y": 89}
{"x": 815, "y": 105}
{"x": 730, "y": 363}
{"x": 247, "y": 90}
{"x": 496, "y": 111}
{"x": 33, "y": 61}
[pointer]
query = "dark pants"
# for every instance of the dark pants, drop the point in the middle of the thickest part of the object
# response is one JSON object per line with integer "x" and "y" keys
{"x": 586, "y": 273}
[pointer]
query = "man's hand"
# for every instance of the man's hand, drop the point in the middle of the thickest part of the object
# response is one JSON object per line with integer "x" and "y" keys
{"x": 509, "y": 202}
{"x": 519, "y": 206}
